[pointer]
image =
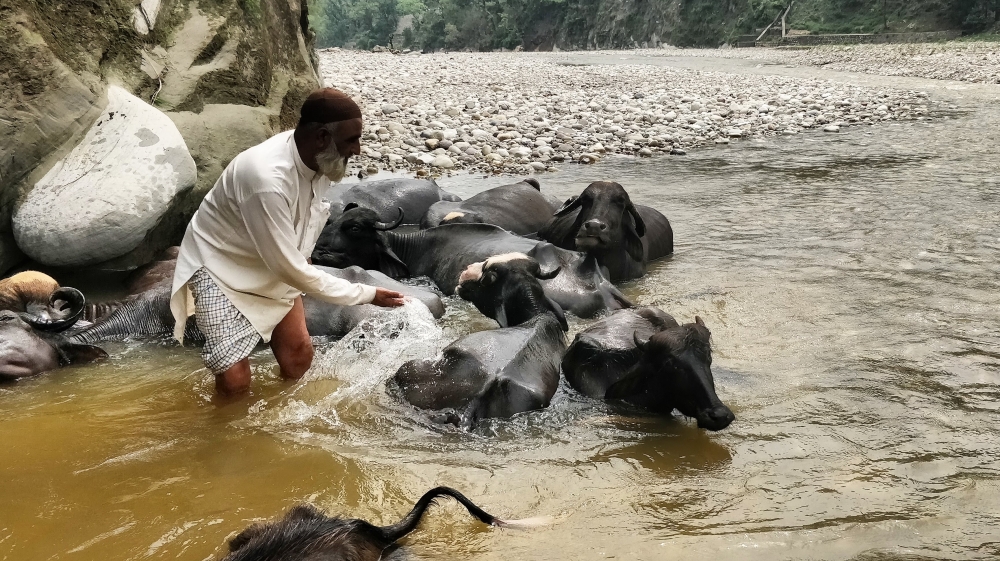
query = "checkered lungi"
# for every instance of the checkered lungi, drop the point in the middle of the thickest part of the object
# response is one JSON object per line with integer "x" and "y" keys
{"x": 229, "y": 336}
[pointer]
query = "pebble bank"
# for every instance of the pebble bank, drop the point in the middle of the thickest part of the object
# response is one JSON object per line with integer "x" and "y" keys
{"x": 521, "y": 112}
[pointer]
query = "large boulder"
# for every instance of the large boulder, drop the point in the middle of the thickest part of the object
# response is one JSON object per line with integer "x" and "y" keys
{"x": 101, "y": 200}
{"x": 228, "y": 73}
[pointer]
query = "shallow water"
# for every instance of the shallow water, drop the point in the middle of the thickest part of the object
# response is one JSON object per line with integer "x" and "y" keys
{"x": 851, "y": 285}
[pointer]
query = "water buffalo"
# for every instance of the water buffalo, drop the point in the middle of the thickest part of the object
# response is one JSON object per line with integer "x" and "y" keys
{"x": 520, "y": 208}
{"x": 30, "y": 345}
{"x": 160, "y": 270}
{"x": 496, "y": 373}
{"x": 603, "y": 222}
{"x": 414, "y": 196}
{"x": 147, "y": 315}
{"x": 443, "y": 252}
{"x": 306, "y": 534}
{"x": 356, "y": 238}
{"x": 643, "y": 357}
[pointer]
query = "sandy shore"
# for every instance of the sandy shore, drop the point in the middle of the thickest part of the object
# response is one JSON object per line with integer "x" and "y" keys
{"x": 526, "y": 112}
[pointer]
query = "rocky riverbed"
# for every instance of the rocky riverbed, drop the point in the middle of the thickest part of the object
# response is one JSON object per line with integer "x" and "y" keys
{"x": 526, "y": 112}
{"x": 974, "y": 61}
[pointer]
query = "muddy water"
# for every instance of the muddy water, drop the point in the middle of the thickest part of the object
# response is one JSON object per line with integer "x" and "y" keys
{"x": 851, "y": 285}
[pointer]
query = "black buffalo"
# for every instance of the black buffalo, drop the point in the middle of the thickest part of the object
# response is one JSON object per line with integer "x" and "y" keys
{"x": 443, "y": 252}
{"x": 384, "y": 196}
{"x": 520, "y": 208}
{"x": 501, "y": 372}
{"x": 644, "y": 357}
{"x": 147, "y": 315}
{"x": 356, "y": 238}
{"x": 604, "y": 222}
{"x": 30, "y": 345}
{"x": 306, "y": 534}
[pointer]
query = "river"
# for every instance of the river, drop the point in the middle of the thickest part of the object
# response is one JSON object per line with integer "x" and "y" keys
{"x": 852, "y": 286}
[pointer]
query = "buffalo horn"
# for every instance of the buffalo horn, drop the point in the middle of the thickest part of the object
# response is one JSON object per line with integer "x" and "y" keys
{"x": 382, "y": 226}
{"x": 570, "y": 204}
{"x": 640, "y": 344}
{"x": 77, "y": 304}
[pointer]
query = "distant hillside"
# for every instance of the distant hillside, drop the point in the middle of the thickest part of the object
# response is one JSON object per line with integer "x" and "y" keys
{"x": 566, "y": 24}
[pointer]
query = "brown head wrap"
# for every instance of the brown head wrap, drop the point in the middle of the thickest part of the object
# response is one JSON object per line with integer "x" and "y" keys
{"x": 328, "y": 106}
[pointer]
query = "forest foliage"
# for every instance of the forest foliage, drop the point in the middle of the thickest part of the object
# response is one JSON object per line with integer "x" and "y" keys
{"x": 543, "y": 24}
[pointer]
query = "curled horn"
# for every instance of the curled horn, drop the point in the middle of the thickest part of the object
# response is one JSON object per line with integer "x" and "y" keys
{"x": 640, "y": 344}
{"x": 550, "y": 275}
{"x": 77, "y": 305}
{"x": 570, "y": 205}
{"x": 382, "y": 226}
{"x": 640, "y": 226}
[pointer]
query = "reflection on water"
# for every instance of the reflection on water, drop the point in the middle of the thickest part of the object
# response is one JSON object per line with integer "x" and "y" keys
{"x": 851, "y": 285}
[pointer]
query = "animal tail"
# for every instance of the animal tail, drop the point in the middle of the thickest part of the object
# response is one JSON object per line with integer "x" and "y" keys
{"x": 411, "y": 520}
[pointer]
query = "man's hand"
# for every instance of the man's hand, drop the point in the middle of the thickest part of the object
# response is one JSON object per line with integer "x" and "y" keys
{"x": 387, "y": 298}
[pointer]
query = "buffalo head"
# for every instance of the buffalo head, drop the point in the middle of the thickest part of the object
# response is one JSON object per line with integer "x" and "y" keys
{"x": 607, "y": 221}
{"x": 26, "y": 351}
{"x": 506, "y": 288}
{"x": 355, "y": 238}
{"x": 674, "y": 371}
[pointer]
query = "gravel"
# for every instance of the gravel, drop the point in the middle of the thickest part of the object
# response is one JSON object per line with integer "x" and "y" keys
{"x": 521, "y": 113}
{"x": 973, "y": 61}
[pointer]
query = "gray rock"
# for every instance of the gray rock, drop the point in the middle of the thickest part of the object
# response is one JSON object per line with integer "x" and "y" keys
{"x": 101, "y": 199}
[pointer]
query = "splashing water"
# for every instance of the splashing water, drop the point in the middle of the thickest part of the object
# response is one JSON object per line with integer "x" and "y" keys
{"x": 354, "y": 367}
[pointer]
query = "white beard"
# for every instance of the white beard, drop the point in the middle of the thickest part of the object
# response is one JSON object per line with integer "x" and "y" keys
{"x": 332, "y": 164}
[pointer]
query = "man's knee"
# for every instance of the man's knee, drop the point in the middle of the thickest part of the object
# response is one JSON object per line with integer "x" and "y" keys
{"x": 294, "y": 359}
{"x": 234, "y": 380}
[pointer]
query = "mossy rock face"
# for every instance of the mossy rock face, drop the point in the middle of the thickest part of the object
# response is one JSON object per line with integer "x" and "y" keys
{"x": 230, "y": 73}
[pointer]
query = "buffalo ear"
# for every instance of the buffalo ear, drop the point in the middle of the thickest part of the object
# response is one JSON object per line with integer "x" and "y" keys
{"x": 349, "y": 206}
{"x": 75, "y": 353}
{"x": 246, "y": 535}
{"x": 699, "y": 321}
{"x": 628, "y": 386}
{"x": 640, "y": 225}
{"x": 633, "y": 245}
{"x": 558, "y": 311}
{"x": 548, "y": 276}
{"x": 391, "y": 265}
{"x": 570, "y": 205}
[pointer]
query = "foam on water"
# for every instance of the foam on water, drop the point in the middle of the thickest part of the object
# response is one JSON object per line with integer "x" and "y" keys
{"x": 351, "y": 370}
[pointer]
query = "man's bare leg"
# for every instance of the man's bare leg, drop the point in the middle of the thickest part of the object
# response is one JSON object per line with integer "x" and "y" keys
{"x": 290, "y": 343}
{"x": 235, "y": 380}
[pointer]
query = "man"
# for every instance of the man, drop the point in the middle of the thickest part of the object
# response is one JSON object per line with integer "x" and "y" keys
{"x": 243, "y": 263}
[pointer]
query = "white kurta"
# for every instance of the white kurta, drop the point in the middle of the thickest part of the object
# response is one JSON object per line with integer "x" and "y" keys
{"x": 253, "y": 233}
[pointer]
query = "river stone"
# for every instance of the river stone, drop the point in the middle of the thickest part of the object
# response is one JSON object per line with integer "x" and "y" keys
{"x": 100, "y": 200}
{"x": 443, "y": 161}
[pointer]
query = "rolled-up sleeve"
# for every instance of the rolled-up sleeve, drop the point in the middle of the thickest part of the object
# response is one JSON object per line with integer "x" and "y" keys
{"x": 268, "y": 220}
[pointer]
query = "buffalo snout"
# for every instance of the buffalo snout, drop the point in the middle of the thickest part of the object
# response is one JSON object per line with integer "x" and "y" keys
{"x": 715, "y": 419}
{"x": 594, "y": 226}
